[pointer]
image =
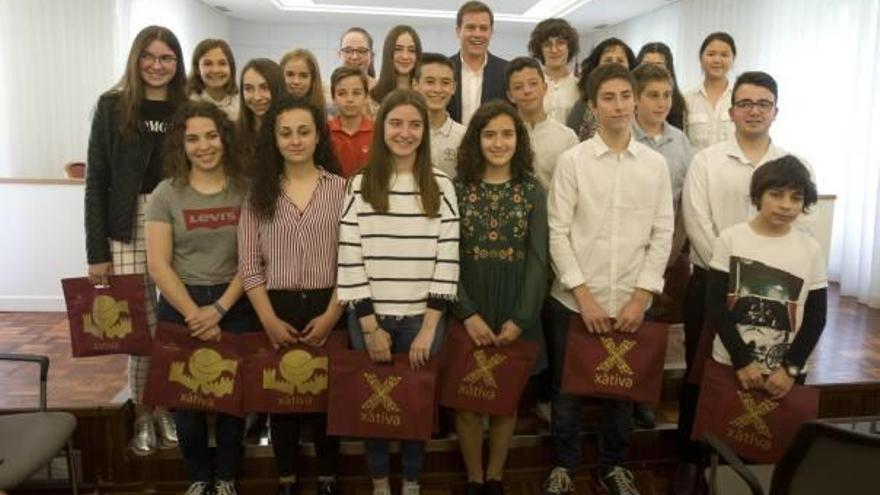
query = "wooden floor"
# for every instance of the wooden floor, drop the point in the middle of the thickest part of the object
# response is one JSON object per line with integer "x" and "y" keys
{"x": 849, "y": 352}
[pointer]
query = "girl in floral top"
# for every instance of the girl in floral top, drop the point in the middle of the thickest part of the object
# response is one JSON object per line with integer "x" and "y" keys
{"x": 503, "y": 256}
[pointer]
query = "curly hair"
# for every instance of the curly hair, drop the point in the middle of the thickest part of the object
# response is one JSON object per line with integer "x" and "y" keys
{"x": 472, "y": 164}
{"x": 554, "y": 28}
{"x": 177, "y": 165}
{"x": 268, "y": 167}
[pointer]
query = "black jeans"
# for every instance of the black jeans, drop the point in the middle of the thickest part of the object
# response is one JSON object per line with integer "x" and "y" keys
{"x": 192, "y": 426}
{"x": 566, "y": 423}
{"x": 298, "y": 308}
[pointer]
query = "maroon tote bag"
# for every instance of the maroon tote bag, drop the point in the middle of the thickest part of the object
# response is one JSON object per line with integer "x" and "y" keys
{"x": 108, "y": 319}
{"x": 186, "y": 373}
{"x": 615, "y": 365}
{"x": 287, "y": 380}
{"x": 486, "y": 380}
{"x": 750, "y": 422}
{"x": 372, "y": 400}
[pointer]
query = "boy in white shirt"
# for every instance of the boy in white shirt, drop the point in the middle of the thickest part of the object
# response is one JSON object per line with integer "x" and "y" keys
{"x": 526, "y": 88}
{"x": 434, "y": 78}
{"x": 611, "y": 222}
{"x": 767, "y": 284}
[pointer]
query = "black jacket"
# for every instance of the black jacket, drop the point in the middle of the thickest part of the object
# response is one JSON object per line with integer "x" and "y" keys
{"x": 114, "y": 174}
{"x": 494, "y": 83}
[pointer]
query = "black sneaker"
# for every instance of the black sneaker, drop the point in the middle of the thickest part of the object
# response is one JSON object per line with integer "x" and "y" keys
{"x": 474, "y": 488}
{"x": 494, "y": 487}
{"x": 224, "y": 488}
{"x": 199, "y": 488}
{"x": 619, "y": 481}
{"x": 559, "y": 482}
{"x": 327, "y": 487}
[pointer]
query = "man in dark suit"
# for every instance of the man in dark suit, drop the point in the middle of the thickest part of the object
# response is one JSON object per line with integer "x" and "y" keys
{"x": 479, "y": 75}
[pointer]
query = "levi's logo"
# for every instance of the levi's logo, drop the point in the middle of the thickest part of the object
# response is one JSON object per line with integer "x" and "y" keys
{"x": 211, "y": 218}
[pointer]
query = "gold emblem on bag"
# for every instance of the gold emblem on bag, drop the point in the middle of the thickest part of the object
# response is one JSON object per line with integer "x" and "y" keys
{"x": 614, "y": 371}
{"x": 301, "y": 373}
{"x": 380, "y": 408}
{"x": 203, "y": 373}
{"x": 481, "y": 383}
{"x": 109, "y": 318}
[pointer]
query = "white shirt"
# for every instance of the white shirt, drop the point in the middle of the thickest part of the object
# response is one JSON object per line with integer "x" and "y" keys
{"x": 769, "y": 279}
{"x": 716, "y": 195}
{"x": 611, "y": 222}
{"x": 471, "y": 89}
{"x": 561, "y": 96}
{"x": 707, "y": 125}
{"x": 549, "y": 139}
{"x": 444, "y": 145}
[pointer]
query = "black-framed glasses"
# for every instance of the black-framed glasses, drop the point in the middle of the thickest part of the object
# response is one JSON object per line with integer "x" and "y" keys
{"x": 349, "y": 51}
{"x": 150, "y": 59}
{"x": 763, "y": 105}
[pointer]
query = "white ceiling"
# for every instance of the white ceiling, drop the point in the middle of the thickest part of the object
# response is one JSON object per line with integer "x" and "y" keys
{"x": 585, "y": 15}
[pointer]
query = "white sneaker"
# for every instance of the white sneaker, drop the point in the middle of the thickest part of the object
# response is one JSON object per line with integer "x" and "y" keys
{"x": 409, "y": 489}
{"x": 224, "y": 488}
{"x": 198, "y": 488}
{"x": 619, "y": 481}
{"x": 559, "y": 482}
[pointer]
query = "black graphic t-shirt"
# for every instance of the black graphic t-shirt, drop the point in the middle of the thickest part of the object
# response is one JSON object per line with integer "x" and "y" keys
{"x": 768, "y": 282}
{"x": 156, "y": 116}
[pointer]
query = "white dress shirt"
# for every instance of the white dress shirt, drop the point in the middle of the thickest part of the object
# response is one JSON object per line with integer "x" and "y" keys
{"x": 561, "y": 96}
{"x": 611, "y": 222}
{"x": 707, "y": 125}
{"x": 444, "y": 145}
{"x": 716, "y": 195}
{"x": 471, "y": 89}
{"x": 549, "y": 139}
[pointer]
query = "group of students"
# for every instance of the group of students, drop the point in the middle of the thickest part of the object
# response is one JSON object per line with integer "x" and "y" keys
{"x": 427, "y": 196}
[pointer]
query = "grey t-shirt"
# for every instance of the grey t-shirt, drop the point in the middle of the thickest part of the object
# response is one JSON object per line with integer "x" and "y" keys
{"x": 204, "y": 230}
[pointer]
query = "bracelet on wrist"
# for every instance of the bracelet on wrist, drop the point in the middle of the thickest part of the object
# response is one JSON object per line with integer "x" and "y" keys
{"x": 219, "y": 308}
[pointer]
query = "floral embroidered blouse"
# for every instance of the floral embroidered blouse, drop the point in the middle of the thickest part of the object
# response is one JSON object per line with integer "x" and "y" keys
{"x": 504, "y": 253}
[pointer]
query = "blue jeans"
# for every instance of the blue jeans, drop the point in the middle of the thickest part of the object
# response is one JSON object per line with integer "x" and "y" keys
{"x": 567, "y": 419}
{"x": 403, "y": 331}
{"x": 192, "y": 426}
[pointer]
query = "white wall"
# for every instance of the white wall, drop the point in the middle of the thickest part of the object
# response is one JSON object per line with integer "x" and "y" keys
{"x": 43, "y": 241}
{"x": 259, "y": 39}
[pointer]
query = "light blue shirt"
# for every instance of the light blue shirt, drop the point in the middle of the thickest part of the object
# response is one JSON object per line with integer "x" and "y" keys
{"x": 675, "y": 147}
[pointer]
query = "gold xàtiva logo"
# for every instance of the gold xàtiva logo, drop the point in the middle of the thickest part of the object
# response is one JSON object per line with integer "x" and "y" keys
{"x": 381, "y": 397}
{"x": 615, "y": 358}
{"x": 485, "y": 364}
{"x": 205, "y": 367}
{"x": 301, "y": 373}
{"x": 109, "y": 318}
{"x": 754, "y": 413}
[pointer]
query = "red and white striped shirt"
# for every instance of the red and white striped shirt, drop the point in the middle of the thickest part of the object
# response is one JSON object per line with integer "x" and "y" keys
{"x": 295, "y": 250}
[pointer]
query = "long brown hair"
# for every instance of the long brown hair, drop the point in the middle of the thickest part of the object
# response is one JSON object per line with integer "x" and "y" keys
{"x": 195, "y": 84}
{"x": 315, "y": 93}
{"x": 131, "y": 87}
{"x": 376, "y": 181}
{"x": 177, "y": 165}
{"x": 387, "y": 74}
{"x": 247, "y": 126}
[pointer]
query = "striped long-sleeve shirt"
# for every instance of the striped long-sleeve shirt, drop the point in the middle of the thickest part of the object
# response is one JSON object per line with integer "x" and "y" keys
{"x": 296, "y": 250}
{"x": 402, "y": 261}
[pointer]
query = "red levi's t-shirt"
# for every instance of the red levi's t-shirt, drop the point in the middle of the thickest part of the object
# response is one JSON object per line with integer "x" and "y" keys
{"x": 351, "y": 149}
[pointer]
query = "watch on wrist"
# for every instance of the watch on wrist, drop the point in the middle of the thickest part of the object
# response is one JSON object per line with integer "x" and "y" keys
{"x": 791, "y": 370}
{"x": 219, "y": 308}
